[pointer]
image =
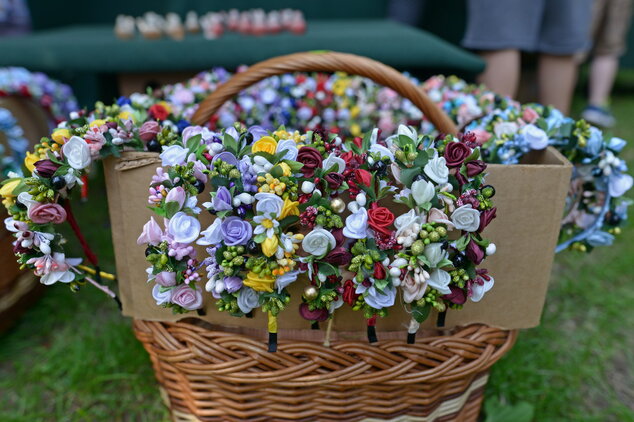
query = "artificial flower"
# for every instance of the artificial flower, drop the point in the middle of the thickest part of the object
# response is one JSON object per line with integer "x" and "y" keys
{"x": 423, "y": 191}
{"x": 455, "y": 154}
{"x": 152, "y": 233}
{"x": 6, "y": 191}
{"x": 30, "y": 160}
{"x": 480, "y": 287}
{"x": 187, "y": 297}
{"x": 536, "y": 137}
{"x": 318, "y": 242}
{"x": 77, "y": 153}
{"x": 176, "y": 195}
{"x": 436, "y": 169}
{"x": 269, "y": 246}
{"x": 248, "y": 299}
{"x": 161, "y": 297}
{"x": 265, "y": 144}
{"x": 439, "y": 280}
{"x": 259, "y": 282}
{"x": 173, "y": 154}
{"x": 435, "y": 253}
{"x": 222, "y": 200}
{"x": 356, "y": 224}
{"x": 333, "y": 161}
{"x": 269, "y": 205}
{"x": 60, "y": 135}
{"x": 166, "y": 278}
{"x": 212, "y": 235}
{"x": 311, "y": 160}
{"x": 289, "y": 208}
{"x": 466, "y": 218}
{"x": 380, "y": 219}
{"x": 289, "y": 146}
{"x": 236, "y": 231}
{"x": 47, "y": 213}
{"x": 183, "y": 228}
{"x": 149, "y": 130}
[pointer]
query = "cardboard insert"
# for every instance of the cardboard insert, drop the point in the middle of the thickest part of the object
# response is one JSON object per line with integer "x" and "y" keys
{"x": 530, "y": 200}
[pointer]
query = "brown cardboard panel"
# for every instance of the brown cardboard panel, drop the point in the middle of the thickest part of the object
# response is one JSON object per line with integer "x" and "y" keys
{"x": 530, "y": 200}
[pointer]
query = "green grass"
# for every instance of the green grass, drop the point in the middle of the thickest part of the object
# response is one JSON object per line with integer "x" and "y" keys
{"x": 73, "y": 357}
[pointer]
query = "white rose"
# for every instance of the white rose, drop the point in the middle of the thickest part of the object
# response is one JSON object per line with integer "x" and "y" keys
{"x": 334, "y": 160}
{"x": 536, "y": 138}
{"x": 248, "y": 299}
{"x": 409, "y": 221}
{"x": 437, "y": 169}
{"x": 318, "y": 242}
{"x": 478, "y": 290}
{"x": 439, "y": 280}
{"x": 290, "y": 147}
{"x": 618, "y": 184}
{"x": 174, "y": 154}
{"x": 423, "y": 191}
{"x": 77, "y": 153}
{"x": 161, "y": 297}
{"x": 27, "y": 200}
{"x": 212, "y": 235}
{"x": 183, "y": 228}
{"x": 356, "y": 224}
{"x": 269, "y": 204}
{"x": 435, "y": 253}
{"x": 505, "y": 128}
{"x": 466, "y": 218}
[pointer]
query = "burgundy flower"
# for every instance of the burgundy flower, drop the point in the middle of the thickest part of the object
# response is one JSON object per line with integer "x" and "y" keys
{"x": 339, "y": 237}
{"x": 349, "y": 293}
{"x": 334, "y": 180}
{"x": 316, "y": 315}
{"x": 46, "y": 168}
{"x": 311, "y": 160}
{"x": 379, "y": 271}
{"x": 486, "y": 217}
{"x": 475, "y": 167}
{"x": 456, "y": 296}
{"x": 363, "y": 177}
{"x": 338, "y": 256}
{"x": 474, "y": 252}
{"x": 455, "y": 153}
{"x": 461, "y": 179}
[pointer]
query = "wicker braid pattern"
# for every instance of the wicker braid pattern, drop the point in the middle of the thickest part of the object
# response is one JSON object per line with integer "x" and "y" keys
{"x": 325, "y": 62}
{"x": 210, "y": 375}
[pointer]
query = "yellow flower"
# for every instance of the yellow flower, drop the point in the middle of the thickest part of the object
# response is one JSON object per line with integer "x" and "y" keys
{"x": 269, "y": 246}
{"x": 264, "y": 144}
{"x": 355, "y": 129}
{"x": 125, "y": 115}
{"x": 60, "y": 135}
{"x": 289, "y": 208}
{"x": 97, "y": 123}
{"x": 167, "y": 106}
{"x": 30, "y": 160}
{"x": 286, "y": 169}
{"x": 354, "y": 111}
{"x": 6, "y": 191}
{"x": 259, "y": 283}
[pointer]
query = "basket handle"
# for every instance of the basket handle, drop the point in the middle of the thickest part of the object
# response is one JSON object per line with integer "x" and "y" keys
{"x": 325, "y": 62}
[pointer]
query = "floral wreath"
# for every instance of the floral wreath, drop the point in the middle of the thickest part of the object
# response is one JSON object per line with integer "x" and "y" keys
{"x": 280, "y": 202}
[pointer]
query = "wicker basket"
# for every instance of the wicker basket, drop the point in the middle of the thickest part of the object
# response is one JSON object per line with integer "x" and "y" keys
{"x": 213, "y": 373}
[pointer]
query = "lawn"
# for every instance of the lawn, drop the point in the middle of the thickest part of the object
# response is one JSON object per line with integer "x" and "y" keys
{"x": 73, "y": 357}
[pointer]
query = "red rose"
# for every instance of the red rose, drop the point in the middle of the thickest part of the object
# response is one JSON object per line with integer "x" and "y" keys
{"x": 149, "y": 130}
{"x": 474, "y": 252}
{"x": 486, "y": 217}
{"x": 456, "y": 296}
{"x": 358, "y": 141}
{"x": 349, "y": 293}
{"x": 158, "y": 112}
{"x": 316, "y": 315}
{"x": 311, "y": 160}
{"x": 347, "y": 156}
{"x": 455, "y": 153}
{"x": 334, "y": 180}
{"x": 379, "y": 218}
{"x": 338, "y": 256}
{"x": 475, "y": 167}
{"x": 379, "y": 271}
{"x": 363, "y": 177}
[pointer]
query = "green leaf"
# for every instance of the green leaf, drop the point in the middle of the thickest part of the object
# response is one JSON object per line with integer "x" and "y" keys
{"x": 474, "y": 155}
{"x": 421, "y": 313}
{"x": 219, "y": 181}
{"x": 461, "y": 244}
{"x": 444, "y": 263}
{"x": 260, "y": 238}
{"x": 229, "y": 143}
{"x": 408, "y": 175}
{"x": 295, "y": 166}
{"x": 269, "y": 157}
{"x": 480, "y": 241}
{"x": 423, "y": 259}
{"x": 421, "y": 160}
{"x": 288, "y": 221}
{"x": 171, "y": 208}
{"x": 327, "y": 269}
{"x": 159, "y": 211}
{"x": 277, "y": 171}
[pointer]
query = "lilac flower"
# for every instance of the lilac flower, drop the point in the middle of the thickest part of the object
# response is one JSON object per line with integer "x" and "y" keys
{"x": 236, "y": 231}
{"x": 375, "y": 298}
{"x": 232, "y": 284}
{"x": 222, "y": 200}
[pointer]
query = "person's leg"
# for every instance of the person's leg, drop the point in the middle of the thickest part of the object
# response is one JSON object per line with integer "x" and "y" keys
{"x": 502, "y": 72}
{"x": 602, "y": 73}
{"x": 557, "y": 76}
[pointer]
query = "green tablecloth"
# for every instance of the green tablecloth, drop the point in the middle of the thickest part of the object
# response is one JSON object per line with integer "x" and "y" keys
{"x": 96, "y": 49}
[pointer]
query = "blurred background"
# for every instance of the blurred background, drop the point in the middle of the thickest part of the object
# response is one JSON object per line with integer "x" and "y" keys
{"x": 66, "y": 357}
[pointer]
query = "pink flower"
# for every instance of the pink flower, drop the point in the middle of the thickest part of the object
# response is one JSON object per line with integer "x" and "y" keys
{"x": 152, "y": 233}
{"x": 529, "y": 115}
{"x": 166, "y": 278}
{"x": 414, "y": 287}
{"x": 149, "y": 130}
{"x": 54, "y": 268}
{"x": 481, "y": 135}
{"x": 47, "y": 213}
{"x": 177, "y": 195}
{"x": 187, "y": 297}
{"x": 437, "y": 216}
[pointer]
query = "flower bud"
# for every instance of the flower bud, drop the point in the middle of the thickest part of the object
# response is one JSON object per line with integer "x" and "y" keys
{"x": 308, "y": 187}
{"x": 490, "y": 250}
{"x": 361, "y": 199}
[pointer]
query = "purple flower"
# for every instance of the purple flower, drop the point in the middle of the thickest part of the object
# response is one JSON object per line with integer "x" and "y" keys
{"x": 232, "y": 284}
{"x": 227, "y": 157}
{"x": 152, "y": 233}
{"x": 177, "y": 195}
{"x": 236, "y": 231}
{"x": 166, "y": 278}
{"x": 222, "y": 200}
{"x": 187, "y": 297}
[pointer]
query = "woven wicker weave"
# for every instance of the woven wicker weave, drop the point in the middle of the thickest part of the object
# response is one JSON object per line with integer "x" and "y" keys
{"x": 211, "y": 374}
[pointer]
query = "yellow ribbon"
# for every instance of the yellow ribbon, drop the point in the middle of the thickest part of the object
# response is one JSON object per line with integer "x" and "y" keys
{"x": 272, "y": 323}
{"x": 103, "y": 274}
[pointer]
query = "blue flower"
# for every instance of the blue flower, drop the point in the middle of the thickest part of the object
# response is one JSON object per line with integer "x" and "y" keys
{"x": 182, "y": 124}
{"x": 600, "y": 238}
{"x": 595, "y": 142}
{"x": 616, "y": 144}
{"x": 123, "y": 100}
